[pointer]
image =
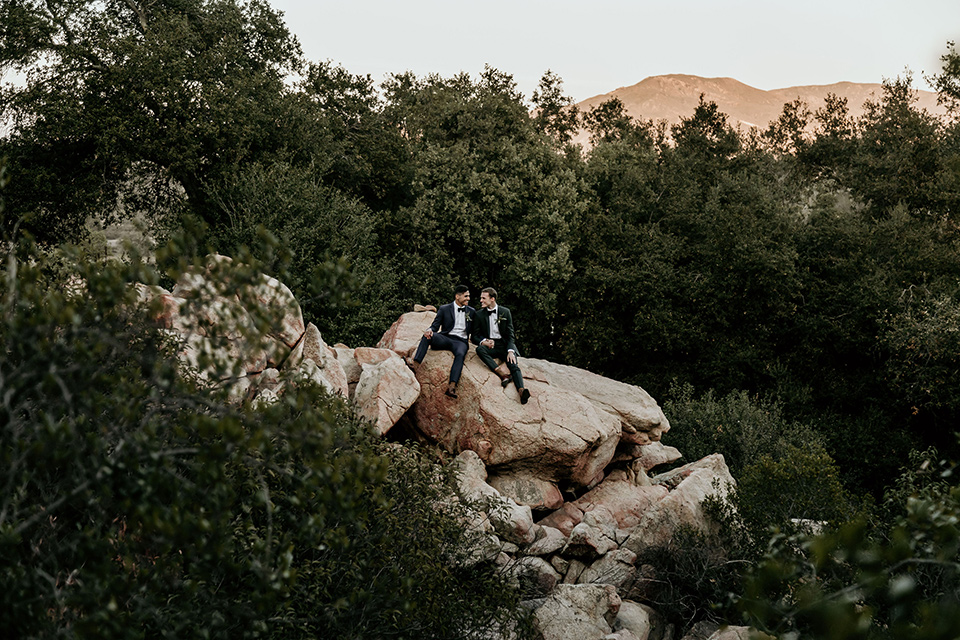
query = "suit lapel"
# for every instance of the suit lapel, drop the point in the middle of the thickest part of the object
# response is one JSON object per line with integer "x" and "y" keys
{"x": 451, "y": 317}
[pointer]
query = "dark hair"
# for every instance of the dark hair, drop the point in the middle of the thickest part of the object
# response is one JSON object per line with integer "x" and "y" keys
{"x": 490, "y": 291}
{"x": 460, "y": 288}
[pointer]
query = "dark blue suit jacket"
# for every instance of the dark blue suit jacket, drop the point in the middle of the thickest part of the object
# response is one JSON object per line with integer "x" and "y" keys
{"x": 446, "y": 318}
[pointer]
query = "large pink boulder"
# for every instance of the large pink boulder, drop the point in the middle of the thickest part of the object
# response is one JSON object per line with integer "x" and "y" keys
{"x": 651, "y": 511}
{"x": 371, "y": 355}
{"x": 524, "y": 488}
{"x": 577, "y": 612}
{"x": 218, "y": 338}
{"x": 404, "y": 335}
{"x": 270, "y": 293}
{"x": 564, "y": 519}
{"x": 312, "y": 347}
{"x": 511, "y": 521}
{"x": 265, "y": 295}
{"x": 558, "y": 436}
{"x": 385, "y": 391}
{"x": 649, "y": 455}
{"x": 686, "y": 487}
{"x": 164, "y": 305}
{"x": 642, "y": 420}
{"x": 625, "y": 499}
{"x": 351, "y": 367}
{"x": 220, "y": 320}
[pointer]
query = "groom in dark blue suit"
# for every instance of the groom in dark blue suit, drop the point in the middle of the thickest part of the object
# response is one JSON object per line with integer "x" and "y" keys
{"x": 450, "y": 331}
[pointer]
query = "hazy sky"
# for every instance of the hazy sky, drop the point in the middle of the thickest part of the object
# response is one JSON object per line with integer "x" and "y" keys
{"x": 597, "y": 46}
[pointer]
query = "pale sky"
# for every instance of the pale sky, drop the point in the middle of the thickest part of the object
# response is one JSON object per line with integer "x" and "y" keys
{"x": 598, "y": 46}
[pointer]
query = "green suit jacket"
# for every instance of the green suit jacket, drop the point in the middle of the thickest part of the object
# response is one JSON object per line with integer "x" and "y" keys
{"x": 481, "y": 327}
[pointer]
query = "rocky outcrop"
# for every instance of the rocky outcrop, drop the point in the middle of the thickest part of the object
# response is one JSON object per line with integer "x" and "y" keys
{"x": 511, "y": 521}
{"x": 559, "y": 436}
{"x": 528, "y": 489}
{"x": 732, "y": 633}
{"x": 640, "y": 620}
{"x": 648, "y": 456}
{"x": 404, "y": 335}
{"x": 561, "y": 488}
{"x": 216, "y": 314}
{"x": 312, "y": 347}
{"x": 351, "y": 368}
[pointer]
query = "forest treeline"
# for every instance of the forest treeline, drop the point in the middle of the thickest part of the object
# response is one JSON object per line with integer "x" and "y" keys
{"x": 816, "y": 260}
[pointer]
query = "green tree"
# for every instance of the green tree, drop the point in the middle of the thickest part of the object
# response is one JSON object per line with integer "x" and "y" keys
{"x": 495, "y": 204}
{"x": 624, "y": 262}
{"x": 947, "y": 82}
{"x": 686, "y": 255}
{"x": 922, "y": 337}
{"x": 556, "y": 113}
{"x": 347, "y": 140}
{"x": 898, "y": 158}
{"x": 788, "y": 134}
{"x": 138, "y": 104}
{"x": 609, "y": 122}
{"x": 833, "y": 141}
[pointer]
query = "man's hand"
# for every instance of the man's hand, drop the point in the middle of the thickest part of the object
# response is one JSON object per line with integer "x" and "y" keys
{"x": 488, "y": 343}
{"x": 428, "y": 334}
{"x": 511, "y": 357}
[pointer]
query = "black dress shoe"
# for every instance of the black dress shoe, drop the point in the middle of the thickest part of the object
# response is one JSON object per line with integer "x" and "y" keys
{"x": 451, "y": 391}
{"x": 524, "y": 395}
{"x": 504, "y": 382}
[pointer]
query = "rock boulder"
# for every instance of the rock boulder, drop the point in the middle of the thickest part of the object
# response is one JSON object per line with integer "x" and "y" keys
{"x": 557, "y": 436}
{"x": 385, "y": 391}
{"x": 577, "y": 612}
{"x": 404, "y": 335}
{"x": 687, "y": 487}
{"x": 641, "y": 418}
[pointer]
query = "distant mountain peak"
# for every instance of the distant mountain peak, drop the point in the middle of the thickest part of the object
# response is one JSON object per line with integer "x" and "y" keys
{"x": 672, "y": 96}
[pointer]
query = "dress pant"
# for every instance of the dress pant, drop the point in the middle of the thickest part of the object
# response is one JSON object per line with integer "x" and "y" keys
{"x": 499, "y": 350}
{"x": 441, "y": 342}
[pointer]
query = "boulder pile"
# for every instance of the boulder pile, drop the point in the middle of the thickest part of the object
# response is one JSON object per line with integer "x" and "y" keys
{"x": 571, "y": 476}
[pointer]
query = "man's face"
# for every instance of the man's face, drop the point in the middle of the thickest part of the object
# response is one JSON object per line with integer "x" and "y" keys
{"x": 462, "y": 298}
{"x": 486, "y": 301}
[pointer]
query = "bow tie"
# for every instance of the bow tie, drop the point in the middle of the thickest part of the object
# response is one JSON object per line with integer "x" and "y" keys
{"x": 461, "y": 309}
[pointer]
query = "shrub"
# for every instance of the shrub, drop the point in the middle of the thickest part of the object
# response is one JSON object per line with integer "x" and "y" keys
{"x": 741, "y": 427}
{"x": 798, "y": 491}
{"x": 786, "y": 482}
{"x": 857, "y": 581}
{"x": 693, "y": 576}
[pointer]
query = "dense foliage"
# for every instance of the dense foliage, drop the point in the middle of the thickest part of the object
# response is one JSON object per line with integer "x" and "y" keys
{"x": 790, "y": 294}
{"x": 896, "y": 579}
{"x": 138, "y": 503}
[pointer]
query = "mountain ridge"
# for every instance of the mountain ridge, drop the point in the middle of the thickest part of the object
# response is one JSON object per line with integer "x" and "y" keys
{"x": 672, "y": 96}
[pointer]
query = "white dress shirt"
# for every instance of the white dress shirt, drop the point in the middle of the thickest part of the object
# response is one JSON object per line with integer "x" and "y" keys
{"x": 459, "y": 321}
{"x": 494, "y": 327}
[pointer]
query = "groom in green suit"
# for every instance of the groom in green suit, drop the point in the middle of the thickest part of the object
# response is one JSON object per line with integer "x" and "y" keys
{"x": 493, "y": 335}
